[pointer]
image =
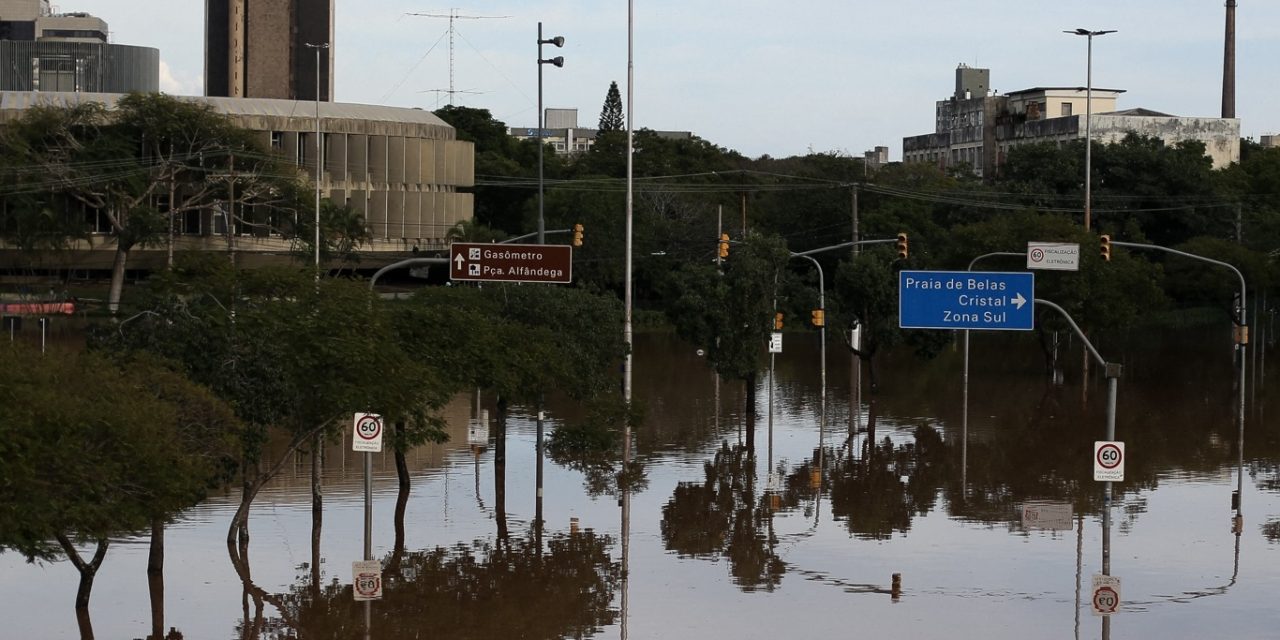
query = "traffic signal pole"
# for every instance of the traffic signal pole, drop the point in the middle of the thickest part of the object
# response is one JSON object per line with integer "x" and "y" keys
{"x": 822, "y": 357}
{"x": 1241, "y": 340}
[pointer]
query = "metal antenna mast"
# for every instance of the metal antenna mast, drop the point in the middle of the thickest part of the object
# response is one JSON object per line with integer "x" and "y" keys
{"x": 452, "y": 16}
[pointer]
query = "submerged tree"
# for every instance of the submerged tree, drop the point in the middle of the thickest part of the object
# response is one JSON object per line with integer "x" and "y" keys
{"x": 133, "y": 444}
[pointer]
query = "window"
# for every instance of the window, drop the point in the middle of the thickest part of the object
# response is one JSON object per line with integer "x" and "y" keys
{"x": 1066, "y": 108}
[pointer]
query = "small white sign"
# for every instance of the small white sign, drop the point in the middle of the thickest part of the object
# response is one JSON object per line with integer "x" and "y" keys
{"x": 1060, "y": 256}
{"x": 1106, "y": 595}
{"x": 366, "y": 580}
{"x": 477, "y": 432}
{"x": 1055, "y": 516}
{"x": 855, "y": 337}
{"x": 367, "y": 433}
{"x": 775, "y": 342}
{"x": 1108, "y": 461}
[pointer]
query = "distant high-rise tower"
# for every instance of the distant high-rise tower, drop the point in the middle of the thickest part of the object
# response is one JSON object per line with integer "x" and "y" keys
{"x": 1229, "y": 64}
{"x": 258, "y": 48}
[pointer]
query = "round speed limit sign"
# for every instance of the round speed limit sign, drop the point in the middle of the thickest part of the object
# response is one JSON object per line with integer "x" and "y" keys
{"x": 1108, "y": 461}
{"x": 367, "y": 430}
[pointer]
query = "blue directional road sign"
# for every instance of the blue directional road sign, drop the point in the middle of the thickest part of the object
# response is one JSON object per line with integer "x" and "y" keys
{"x": 966, "y": 300}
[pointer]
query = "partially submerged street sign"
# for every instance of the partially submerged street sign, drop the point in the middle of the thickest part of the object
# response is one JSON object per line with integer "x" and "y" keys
{"x": 1059, "y": 256}
{"x": 966, "y": 300}
{"x": 1105, "y": 595}
{"x": 484, "y": 262}
{"x": 366, "y": 580}
{"x": 1108, "y": 461}
{"x": 1054, "y": 516}
{"x": 367, "y": 433}
{"x": 775, "y": 342}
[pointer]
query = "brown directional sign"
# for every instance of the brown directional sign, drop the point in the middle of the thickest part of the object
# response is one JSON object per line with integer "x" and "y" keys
{"x": 473, "y": 261}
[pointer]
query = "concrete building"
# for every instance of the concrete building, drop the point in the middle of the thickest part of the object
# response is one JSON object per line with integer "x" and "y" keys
{"x": 563, "y": 133}
{"x": 402, "y": 168}
{"x": 976, "y": 127}
{"x": 45, "y": 51}
{"x": 1270, "y": 142}
{"x": 258, "y": 48}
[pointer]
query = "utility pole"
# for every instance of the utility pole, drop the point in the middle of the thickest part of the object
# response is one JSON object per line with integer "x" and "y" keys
{"x": 1229, "y": 64}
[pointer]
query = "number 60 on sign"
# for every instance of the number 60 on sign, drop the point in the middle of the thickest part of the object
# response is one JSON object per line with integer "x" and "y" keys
{"x": 1108, "y": 461}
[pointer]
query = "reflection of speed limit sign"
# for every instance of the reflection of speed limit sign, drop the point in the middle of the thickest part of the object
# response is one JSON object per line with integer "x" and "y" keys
{"x": 367, "y": 434}
{"x": 1106, "y": 595}
{"x": 366, "y": 580}
{"x": 1037, "y": 255}
{"x": 1108, "y": 461}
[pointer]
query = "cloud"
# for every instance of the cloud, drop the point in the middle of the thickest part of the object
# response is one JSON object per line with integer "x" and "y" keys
{"x": 170, "y": 84}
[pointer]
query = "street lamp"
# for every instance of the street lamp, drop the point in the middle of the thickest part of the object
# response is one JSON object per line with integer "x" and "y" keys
{"x": 319, "y": 152}
{"x": 1088, "y": 122}
{"x": 558, "y": 61}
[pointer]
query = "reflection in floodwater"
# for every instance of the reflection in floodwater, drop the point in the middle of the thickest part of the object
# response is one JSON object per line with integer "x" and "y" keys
{"x": 721, "y": 517}
{"x": 479, "y": 591}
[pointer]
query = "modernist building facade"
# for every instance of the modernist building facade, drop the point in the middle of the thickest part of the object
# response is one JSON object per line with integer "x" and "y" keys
{"x": 44, "y": 51}
{"x": 404, "y": 169}
{"x": 977, "y": 128}
{"x": 259, "y": 48}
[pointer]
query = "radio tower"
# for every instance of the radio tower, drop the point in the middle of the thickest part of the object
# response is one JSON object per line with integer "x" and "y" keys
{"x": 1229, "y": 64}
{"x": 453, "y": 15}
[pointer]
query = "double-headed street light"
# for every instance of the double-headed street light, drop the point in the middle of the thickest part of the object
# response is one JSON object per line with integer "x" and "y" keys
{"x": 1088, "y": 122}
{"x": 558, "y": 61}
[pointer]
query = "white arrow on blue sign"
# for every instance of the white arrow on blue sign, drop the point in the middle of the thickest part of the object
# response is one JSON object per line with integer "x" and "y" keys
{"x": 966, "y": 300}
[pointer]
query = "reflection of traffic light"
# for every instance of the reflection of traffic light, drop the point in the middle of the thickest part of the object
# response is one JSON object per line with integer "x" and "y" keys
{"x": 1106, "y": 248}
{"x": 903, "y": 251}
{"x": 724, "y": 245}
{"x": 777, "y": 321}
{"x": 577, "y": 235}
{"x": 818, "y": 318}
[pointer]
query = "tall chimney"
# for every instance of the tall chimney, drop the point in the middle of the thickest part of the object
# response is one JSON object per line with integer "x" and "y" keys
{"x": 1229, "y": 64}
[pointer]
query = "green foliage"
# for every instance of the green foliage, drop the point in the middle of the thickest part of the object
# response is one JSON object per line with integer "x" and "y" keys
{"x": 521, "y": 341}
{"x": 284, "y": 349}
{"x": 95, "y": 448}
{"x": 730, "y": 314}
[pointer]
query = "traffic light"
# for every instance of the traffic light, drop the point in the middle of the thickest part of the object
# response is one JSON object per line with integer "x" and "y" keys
{"x": 1106, "y": 248}
{"x": 577, "y": 235}
{"x": 903, "y": 251}
{"x": 724, "y": 245}
{"x": 777, "y": 321}
{"x": 819, "y": 317}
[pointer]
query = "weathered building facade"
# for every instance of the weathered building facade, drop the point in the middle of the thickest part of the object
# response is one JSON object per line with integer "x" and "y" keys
{"x": 259, "y": 48}
{"x": 977, "y": 130}
{"x": 41, "y": 50}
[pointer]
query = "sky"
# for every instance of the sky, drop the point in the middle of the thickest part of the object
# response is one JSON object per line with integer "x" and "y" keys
{"x": 762, "y": 78}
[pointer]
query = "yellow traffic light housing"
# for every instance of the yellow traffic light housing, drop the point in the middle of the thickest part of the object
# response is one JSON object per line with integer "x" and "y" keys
{"x": 819, "y": 317}
{"x": 724, "y": 245}
{"x": 1106, "y": 248}
{"x": 777, "y": 321}
{"x": 903, "y": 250}
{"x": 577, "y": 235}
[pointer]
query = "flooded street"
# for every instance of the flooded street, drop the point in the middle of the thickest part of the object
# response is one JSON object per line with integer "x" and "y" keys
{"x": 720, "y": 547}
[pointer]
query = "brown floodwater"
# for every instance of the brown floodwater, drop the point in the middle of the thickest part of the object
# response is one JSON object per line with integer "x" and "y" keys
{"x": 800, "y": 535}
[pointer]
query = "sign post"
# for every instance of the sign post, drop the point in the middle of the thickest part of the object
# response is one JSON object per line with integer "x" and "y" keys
{"x": 1108, "y": 461}
{"x": 966, "y": 300}
{"x": 484, "y": 262}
